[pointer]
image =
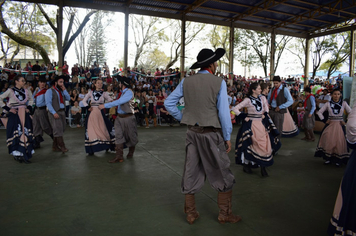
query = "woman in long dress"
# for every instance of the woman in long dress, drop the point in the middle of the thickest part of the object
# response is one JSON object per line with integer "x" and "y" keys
{"x": 18, "y": 121}
{"x": 99, "y": 131}
{"x": 343, "y": 220}
{"x": 256, "y": 141}
{"x": 332, "y": 144}
{"x": 290, "y": 129}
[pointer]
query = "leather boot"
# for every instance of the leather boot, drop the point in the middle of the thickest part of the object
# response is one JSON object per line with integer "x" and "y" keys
{"x": 224, "y": 203}
{"x": 131, "y": 152}
{"x": 247, "y": 169}
{"x": 154, "y": 122}
{"x": 147, "y": 124}
{"x": 189, "y": 208}
{"x": 311, "y": 135}
{"x": 264, "y": 171}
{"x": 61, "y": 144}
{"x": 36, "y": 143}
{"x": 119, "y": 148}
{"x": 55, "y": 147}
{"x": 307, "y": 136}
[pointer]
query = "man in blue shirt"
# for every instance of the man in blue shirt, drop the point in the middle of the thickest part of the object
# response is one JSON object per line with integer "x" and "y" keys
{"x": 207, "y": 115}
{"x": 125, "y": 122}
{"x": 309, "y": 115}
{"x": 55, "y": 101}
{"x": 40, "y": 117}
{"x": 279, "y": 99}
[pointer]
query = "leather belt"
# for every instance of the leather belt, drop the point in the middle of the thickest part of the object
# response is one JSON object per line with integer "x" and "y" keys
{"x": 42, "y": 108}
{"x": 203, "y": 130}
{"x": 124, "y": 115}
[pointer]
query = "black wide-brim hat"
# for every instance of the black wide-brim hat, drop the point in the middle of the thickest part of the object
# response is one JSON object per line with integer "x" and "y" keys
{"x": 124, "y": 80}
{"x": 207, "y": 56}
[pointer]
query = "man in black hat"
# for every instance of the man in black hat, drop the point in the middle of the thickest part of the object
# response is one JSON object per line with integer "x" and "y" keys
{"x": 207, "y": 115}
{"x": 40, "y": 117}
{"x": 279, "y": 99}
{"x": 125, "y": 122}
{"x": 55, "y": 102}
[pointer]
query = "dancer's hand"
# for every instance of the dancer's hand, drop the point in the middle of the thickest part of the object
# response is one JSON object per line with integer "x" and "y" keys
{"x": 27, "y": 111}
{"x": 247, "y": 119}
{"x": 327, "y": 122}
{"x": 101, "y": 107}
{"x": 310, "y": 115}
{"x": 228, "y": 146}
{"x": 56, "y": 116}
{"x": 277, "y": 109}
{"x": 342, "y": 123}
{"x": 13, "y": 111}
{"x": 90, "y": 109}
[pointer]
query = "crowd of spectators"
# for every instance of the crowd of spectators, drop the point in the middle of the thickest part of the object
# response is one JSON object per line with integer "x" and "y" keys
{"x": 150, "y": 88}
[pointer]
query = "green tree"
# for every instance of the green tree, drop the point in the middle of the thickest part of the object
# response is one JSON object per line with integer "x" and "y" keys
{"x": 41, "y": 48}
{"x": 175, "y": 38}
{"x": 339, "y": 53}
{"x": 147, "y": 33}
{"x": 153, "y": 59}
{"x": 320, "y": 47}
{"x": 96, "y": 45}
{"x": 260, "y": 42}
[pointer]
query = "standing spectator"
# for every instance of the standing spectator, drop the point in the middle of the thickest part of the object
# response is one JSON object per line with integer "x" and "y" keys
{"x": 30, "y": 78}
{"x": 36, "y": 67}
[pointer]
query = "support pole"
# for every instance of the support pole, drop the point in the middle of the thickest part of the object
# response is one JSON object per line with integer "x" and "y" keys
{"x": 231, "y": 53}
{"x": 59, "y": 36}
{"x": 273, "y": 49}
{"x": 182, "y": 49}
{"x": 306, "y": 66}
{"x": 352, "y": 54}
{"x": 126, "y": 43}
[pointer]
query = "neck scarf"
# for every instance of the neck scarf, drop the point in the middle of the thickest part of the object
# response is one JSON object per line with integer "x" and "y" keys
{"x": 256, "y": 102}
{"x": 207, "y": 70}
{"x": 336, "y": 106}
{"x": 60, "y": 94}
{"x": 305, "y": 102}
{"x": 20, "y": 93}
{"x": 274, "y": 94}
{"x": 97, "y": 95}
{"x": 43, "y": 91}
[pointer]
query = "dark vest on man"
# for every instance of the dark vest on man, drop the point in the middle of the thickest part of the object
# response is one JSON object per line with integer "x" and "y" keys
{"x": 128, "y": 107}
{"x": 200, "y": 98}
{"x": 55, "y": 100}
{"x": 281, "y": 99}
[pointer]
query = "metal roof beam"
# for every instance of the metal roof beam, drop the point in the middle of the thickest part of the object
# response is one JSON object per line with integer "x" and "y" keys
{"x": 334, "y": 31}
{"x": 310, "y": 14}
{"x": 258, "y": 8}
{"x": 318, "y": 5}
{"x": 196, "y": 4}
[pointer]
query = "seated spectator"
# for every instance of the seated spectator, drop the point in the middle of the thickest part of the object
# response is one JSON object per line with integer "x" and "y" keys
{"x": 166, "y": 116}
{"x": 149, "y": 114}
{"x": 76, "y": 112}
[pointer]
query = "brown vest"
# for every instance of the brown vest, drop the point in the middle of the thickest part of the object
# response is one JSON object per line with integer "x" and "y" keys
{"x": 200, "y": 98}
{"x": 129, "y": 106}
{"x": 55, "y": 100}
{"x": 281, "y": 99}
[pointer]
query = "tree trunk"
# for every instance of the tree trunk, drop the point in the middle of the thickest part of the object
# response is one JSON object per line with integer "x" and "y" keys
{"x": 20, "y": 40}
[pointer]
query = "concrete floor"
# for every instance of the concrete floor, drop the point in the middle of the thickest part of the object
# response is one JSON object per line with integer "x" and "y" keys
{"x": 76, "y": 194}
